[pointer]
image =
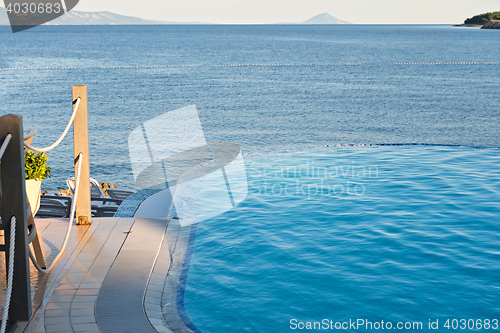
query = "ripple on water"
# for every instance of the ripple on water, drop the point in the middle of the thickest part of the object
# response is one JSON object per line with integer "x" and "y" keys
{"x": 419, "y": 240}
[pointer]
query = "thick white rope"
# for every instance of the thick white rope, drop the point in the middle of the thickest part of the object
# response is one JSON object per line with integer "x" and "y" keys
{"x": 43, "y": 150}
{"x": 73, "y": 208}
{"x": 4, "y": 145}
{"x": 10, "y": 274}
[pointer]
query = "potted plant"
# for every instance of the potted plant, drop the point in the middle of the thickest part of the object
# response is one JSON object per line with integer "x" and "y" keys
{"x": 36, "y": 170}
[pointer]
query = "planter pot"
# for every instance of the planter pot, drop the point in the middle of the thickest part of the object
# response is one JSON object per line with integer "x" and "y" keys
{"x": 33, "y": 189}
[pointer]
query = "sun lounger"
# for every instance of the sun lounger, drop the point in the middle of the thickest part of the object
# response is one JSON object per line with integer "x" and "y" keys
{"x": 102, "y": 205}
{"x": 55, "y": 206}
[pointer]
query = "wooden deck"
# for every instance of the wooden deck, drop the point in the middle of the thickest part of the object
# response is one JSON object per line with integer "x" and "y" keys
{"x": 98, "y": 268}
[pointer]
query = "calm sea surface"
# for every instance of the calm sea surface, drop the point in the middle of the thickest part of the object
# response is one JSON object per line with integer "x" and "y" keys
{"x": 257, "y": 107}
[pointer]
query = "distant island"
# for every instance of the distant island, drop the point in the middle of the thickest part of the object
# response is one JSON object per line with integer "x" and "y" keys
{"x": 485, "y": 21}
{"x": 96, "y": 18}
{"x": 325, "y": 18}
{"x": 108, "y": 18}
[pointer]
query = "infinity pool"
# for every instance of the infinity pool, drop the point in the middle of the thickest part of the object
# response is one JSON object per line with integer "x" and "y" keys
{"x": 393, "y": 234}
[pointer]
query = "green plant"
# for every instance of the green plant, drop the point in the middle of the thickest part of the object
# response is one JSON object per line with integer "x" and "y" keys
{"x": 36, "y": 166}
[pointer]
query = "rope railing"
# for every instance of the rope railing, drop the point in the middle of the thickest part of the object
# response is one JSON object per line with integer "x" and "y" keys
{"x": 10, "y": 274}
{"x": 4, "y": 145}
{"x": 10, "y": 268}
{"x": 55, "y": 144}
{"x": 73, "y": 205}
{"x": 12, "y": 237}
{"x": 11, "y": 130}
{"x": 68, "y": 231}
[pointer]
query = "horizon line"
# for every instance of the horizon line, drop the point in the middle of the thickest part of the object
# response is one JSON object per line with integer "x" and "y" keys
{"x": 229, "y": 24}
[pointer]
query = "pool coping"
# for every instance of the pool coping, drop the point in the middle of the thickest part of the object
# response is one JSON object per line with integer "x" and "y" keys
{"x": 68, "y": 302}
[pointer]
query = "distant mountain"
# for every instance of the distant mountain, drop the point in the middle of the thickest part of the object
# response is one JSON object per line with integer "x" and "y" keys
{"x": 98, "y": 18}
{"x": 95, "y": 18}
{"x": 325, "y": 18}
{"x": 107, "y": 18}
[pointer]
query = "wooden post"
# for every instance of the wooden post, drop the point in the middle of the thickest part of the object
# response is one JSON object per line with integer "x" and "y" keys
{"x": 14, "y": 204}
{"x": 81, "y": 145}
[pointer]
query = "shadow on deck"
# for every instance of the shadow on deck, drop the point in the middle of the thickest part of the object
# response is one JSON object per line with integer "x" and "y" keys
{"x": 117, "y": 275}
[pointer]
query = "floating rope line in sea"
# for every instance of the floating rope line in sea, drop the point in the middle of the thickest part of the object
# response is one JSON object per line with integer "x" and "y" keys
{"x": 39, "y": 68}
{"x": 254, "y": 65}
{"x": 167, "y": 66}
{"x": 102, "y": 67}
{"x": 445, "y": 63}
{"x": 249, "y": 65}
{"x": 365, "y": 64}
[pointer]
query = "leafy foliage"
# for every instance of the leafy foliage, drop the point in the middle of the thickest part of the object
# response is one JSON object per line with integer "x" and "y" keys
{"x": 36, "y": 166}
{"x": 483, "y": 18}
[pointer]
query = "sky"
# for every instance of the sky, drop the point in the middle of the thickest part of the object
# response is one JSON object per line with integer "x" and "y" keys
{"x": 274, "y": 11}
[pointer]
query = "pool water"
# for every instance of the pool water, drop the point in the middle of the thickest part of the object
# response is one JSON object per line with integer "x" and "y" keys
{"x": 399, "y": 234}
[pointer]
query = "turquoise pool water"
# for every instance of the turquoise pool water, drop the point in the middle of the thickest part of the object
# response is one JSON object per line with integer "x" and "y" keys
{"x": 392, "y": 234}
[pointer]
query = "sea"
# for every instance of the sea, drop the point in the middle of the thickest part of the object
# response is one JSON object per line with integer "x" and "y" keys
{"x": 420, "y": 244}
{"x": 259, "y": 86}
